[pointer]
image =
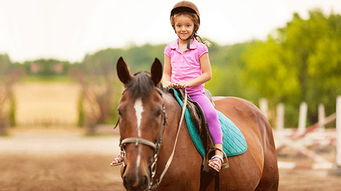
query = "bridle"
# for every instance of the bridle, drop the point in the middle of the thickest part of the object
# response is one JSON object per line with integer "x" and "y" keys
{"x": 154, "y": 183}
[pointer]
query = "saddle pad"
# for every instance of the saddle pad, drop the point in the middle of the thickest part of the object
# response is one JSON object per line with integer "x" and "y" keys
{"x": 233, "y": 140}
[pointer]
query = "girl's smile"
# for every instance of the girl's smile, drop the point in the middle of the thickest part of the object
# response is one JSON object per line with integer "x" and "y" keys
{"x": 184, "y": 26}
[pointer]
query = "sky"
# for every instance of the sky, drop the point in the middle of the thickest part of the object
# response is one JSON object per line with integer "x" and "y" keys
{"x": 70, "y": 29}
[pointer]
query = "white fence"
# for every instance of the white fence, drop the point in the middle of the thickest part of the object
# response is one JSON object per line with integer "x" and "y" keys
{"x": 301, "y": 138}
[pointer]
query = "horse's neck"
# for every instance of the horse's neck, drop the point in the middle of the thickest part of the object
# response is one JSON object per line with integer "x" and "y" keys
{"x": 185, "y": 153}
{"x": 173, "y": 111}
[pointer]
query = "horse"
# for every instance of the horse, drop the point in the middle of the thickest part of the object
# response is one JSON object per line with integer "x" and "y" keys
{"x": 148, "y": 124}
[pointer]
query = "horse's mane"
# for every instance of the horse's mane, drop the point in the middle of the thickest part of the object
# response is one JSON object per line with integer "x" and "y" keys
{"x": 140, "y": 85}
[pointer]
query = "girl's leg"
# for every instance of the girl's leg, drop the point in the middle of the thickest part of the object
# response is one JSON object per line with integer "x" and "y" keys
{"x": 213, "y": 125}
{"x": 211, "y": 117}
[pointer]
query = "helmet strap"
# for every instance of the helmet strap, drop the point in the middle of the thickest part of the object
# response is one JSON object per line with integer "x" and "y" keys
{"x": 189, "y": 40}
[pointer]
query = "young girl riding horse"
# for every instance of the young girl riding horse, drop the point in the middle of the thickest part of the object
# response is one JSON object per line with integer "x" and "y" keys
{"x": 187, "y": 65}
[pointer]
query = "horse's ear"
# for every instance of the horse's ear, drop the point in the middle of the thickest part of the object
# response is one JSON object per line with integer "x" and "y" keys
{"x": 123, "y": 71}
{"x": 156, "y": 71}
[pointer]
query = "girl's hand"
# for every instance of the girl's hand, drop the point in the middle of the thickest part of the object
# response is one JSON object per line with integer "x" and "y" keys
{"x": 183, "y": 84}
{"x": 166, "y": 84}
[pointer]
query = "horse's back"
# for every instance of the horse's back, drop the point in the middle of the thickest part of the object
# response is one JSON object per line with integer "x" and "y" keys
{"x": 256, "y": 169}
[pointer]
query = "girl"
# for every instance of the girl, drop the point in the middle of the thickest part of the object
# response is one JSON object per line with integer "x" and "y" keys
{"x": 187, "y": 65}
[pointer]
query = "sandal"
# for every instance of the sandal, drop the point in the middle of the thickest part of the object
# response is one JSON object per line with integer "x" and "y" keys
{"x": 118, "y": 160}
{"x": 216, "y": 162}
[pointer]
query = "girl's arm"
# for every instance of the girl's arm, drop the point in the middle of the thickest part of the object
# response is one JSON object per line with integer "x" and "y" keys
{"x": 206, "y": 73}
{"x": 167, "y": 72}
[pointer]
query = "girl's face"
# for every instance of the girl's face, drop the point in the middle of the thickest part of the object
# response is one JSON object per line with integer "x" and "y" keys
{"x": 184, "y": 26}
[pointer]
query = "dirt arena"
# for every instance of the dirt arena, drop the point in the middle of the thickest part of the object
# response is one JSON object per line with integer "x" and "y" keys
{"x": 58, "y": 160}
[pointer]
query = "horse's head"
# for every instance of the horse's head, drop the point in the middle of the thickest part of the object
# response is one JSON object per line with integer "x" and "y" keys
{"x": 142, "y": 120}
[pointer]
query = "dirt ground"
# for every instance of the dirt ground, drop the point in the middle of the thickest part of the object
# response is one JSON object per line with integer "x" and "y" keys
{"x": 64, "y": 172}
{"x": 57, "y": 160}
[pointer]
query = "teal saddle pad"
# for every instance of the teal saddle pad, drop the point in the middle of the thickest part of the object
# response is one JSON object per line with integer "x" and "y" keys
{"x": 233, "y": 140}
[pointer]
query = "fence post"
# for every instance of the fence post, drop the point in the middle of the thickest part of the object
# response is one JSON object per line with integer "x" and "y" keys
{"x": 263, "y": 105}
{"x": 302, "y": 117}
{"x": 280, "y": 117}
{"x": 337, "y": 171}
{"x": 321, "y": 117}
{"x": 338, "y": 131}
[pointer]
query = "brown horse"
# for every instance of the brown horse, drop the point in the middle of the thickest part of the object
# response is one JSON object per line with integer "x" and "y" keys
{"x": 149, "y": 120}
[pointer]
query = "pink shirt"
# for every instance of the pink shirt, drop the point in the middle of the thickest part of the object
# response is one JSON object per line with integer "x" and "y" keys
{"x": 186, "y": 65}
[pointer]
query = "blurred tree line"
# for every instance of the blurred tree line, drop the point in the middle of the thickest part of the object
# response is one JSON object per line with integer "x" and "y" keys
{"x": 100, "y": 86}
{"x": 298, "y": 62}
{"x": 45, "y": 67}
{"x": 8, "y": 76}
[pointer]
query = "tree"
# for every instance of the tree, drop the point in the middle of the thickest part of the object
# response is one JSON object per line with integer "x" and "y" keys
{"x": 299, "y": 62}
{"x": 8, "y": 76}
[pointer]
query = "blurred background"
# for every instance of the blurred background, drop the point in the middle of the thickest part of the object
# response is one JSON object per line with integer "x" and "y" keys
{"x": 59, "y": 89}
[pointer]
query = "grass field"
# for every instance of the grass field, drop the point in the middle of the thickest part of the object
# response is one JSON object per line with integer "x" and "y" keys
{"x": 46, "y": 103}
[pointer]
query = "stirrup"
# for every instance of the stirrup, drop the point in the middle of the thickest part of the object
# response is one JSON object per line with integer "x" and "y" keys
{"x": 224, "y": 162}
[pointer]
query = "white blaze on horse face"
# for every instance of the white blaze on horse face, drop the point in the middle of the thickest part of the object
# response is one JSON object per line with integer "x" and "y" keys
{"x": 139, "y": 110}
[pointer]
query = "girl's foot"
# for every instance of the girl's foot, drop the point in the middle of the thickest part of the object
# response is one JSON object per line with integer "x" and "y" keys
{"x": 118, "y": 160}
{"x": 216, "y": 162}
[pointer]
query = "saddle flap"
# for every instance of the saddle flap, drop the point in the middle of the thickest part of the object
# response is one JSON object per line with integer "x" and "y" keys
{"x": 197, "y": 117}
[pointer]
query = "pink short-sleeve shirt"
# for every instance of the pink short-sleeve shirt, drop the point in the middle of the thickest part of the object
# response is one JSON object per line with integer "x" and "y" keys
{"x": 186, "y": 65}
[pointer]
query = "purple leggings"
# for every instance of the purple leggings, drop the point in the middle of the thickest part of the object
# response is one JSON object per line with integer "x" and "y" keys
{"x": 210, "y": 115}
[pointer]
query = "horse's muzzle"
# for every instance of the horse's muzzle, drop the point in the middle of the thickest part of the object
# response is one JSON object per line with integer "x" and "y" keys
{"x": 136, "y": 183}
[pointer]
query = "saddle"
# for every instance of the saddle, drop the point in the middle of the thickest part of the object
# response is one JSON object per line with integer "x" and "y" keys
{"x": 234, "y": 142}
{"x": 198, "y": 118}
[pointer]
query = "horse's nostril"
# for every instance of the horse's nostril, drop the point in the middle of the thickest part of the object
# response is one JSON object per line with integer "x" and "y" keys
{"x": 145, "y": 181}
{"x": 126, "y": 182}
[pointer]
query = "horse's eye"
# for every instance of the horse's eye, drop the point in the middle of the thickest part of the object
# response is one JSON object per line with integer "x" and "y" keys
{"x": 158, "y": 112}
{"x": 119, "y": 112}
